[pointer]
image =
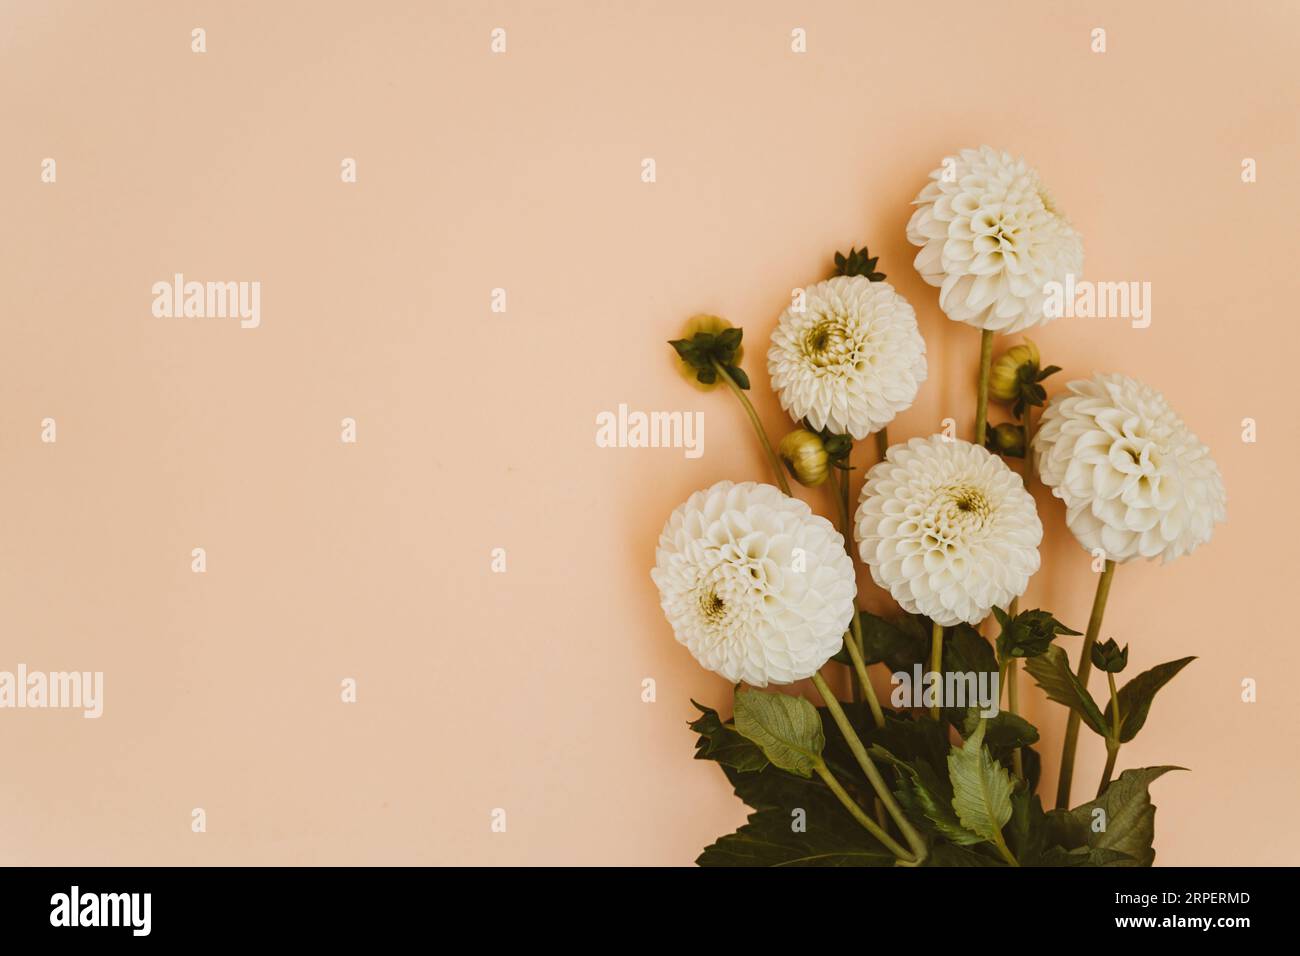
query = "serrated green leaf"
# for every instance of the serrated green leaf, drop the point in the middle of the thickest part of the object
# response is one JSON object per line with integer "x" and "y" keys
{"x": 723, "y": 744}
{"x": 831, "y": 838}
{"x": 1051, "y": 671}
{"x": 787, "y": 729}
{"x": 1135, "y": 697}
{"x": 1129, "y": 818}
{"x": 981, "y": 788}
{"x": 922, "y": 792}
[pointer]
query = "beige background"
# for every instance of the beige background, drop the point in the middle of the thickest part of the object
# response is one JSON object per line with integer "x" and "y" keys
{"x": 326, "y": 561}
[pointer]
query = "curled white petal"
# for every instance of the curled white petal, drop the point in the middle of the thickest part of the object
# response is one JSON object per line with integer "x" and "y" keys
{"x": 991, "y": 239}
{"x": 948, "y": 529}
{"x": 851, "y": 360}
{"x": 755, "y": 585}
{"x": 1135, "y": 481}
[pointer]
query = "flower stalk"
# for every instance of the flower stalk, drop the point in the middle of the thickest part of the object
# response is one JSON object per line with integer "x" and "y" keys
{"x": 871, "y": 826}
{"x": 1066, "y": 776}
{"x": 853, "y": 641}
{"x": 864, "y": 760}
{"x": 982, "y": 396}
{"x": 775, "y": 462}
{"x": 936, "y": 663}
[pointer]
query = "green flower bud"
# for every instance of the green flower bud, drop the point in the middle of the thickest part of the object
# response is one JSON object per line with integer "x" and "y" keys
{"x": 1108, "y": 657}
{"x": 1007, "y": 439}
{"x": 712, "y": 326}
{"x": 1004, "y": 377}
{"x": 805, "y": 457}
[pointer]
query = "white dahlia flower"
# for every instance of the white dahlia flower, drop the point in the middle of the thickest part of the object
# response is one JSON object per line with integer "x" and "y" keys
{"x": 851, "y": 360}
{"x": 991, "y": 238}
{"x": 755, "y": 585}
{"x": 948, "y": 529}
{"x": 1135, "y": 481}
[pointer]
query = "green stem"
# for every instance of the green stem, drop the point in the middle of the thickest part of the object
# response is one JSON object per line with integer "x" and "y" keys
{"x": 1013, "y": 705}
{"x": 869, "y": 768}
{"x": 854, "y": 641}
{"x": 982, "y": 396}
{"x": 851, "y": 805}
{"x": 1011, "y": 680}
{"x": 840, "y": 490}
{"x": 882, "y": 442}
{"x": 758, "y": 426}
{"x": 1027, "y": 428}
{"x": 1085, "y": 669}
{"x": 936, "y": 664}
{"x": 1112, "y": 744}
{"x": 1112, "y": 751}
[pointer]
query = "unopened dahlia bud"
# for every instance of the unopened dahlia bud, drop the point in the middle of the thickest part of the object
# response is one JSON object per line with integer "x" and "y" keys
{"x": 1106, "y": 656}
{"x": 1005, "y": 376}
{"x": 1007, "y": 440}
{"x": 805, "y": 457}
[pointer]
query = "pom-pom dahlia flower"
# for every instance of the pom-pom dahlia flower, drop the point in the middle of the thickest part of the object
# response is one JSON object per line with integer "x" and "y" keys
{"x": 1135, "y": 481}
{"x": 948, "y": 529}
{"x": 991, "y": 239}
{"x": 851, "y": 360}
{"x": 755, "y": 585}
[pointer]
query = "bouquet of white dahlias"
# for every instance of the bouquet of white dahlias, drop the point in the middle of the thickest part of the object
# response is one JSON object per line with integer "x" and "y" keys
{"x": 762, "y": 590}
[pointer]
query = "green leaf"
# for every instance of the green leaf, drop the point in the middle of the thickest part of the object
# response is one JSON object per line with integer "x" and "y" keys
{"x": 831, "y": 838}
{"x": 1129, "y": 820}
{"x": 981, "y": 788}
{"x": 787, "y": 729}
{"x": 1032, "y": 765}
{"x": 1052, "y": 672}
{"x": 1083, "y": 856}
{"x": 948, "y": 854}
{"x": 722, "y": 744}
{"x": 1027, "y": 831}
{"x": 965, "y": 649}
{"x": 1005, "y": 730}
{"x": 929, "y": 798}
{"x": 1135, "y": 697}
{"x": 738, "y": 374}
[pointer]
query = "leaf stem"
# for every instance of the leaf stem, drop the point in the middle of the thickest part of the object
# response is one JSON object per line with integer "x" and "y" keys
{"x": 872, "y": 827}
{"x": 758, "y": 426}
{"x": 1085, "y": 669}
{"x": 869, "y": 768}
{"x": 1112, "y": 743}
{"x": 936, "y": 664}
{"x": 982, "y": 396}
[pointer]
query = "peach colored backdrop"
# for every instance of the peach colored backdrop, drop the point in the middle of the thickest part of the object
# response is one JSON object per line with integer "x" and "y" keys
{"x": 475, "y": 430}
